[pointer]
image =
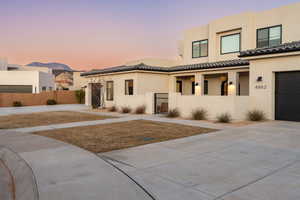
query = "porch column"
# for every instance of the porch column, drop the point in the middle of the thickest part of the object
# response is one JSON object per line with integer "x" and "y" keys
{"x": 88, "y": 94}
{"x": 233, "y": 81}
{"x": 199, "y": 90}
{"x": 172, "y": 84}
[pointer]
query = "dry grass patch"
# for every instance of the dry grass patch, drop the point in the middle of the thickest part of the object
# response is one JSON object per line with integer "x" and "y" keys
{"x": 45, "y": 118}
{"x": 108, "y": 137}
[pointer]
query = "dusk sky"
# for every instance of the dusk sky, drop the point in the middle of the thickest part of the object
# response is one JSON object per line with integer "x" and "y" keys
{"x": 86, "y": 34}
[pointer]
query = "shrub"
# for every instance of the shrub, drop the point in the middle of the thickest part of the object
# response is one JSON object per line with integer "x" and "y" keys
{"x": 126, "y": 109}
{"x": 256, "y": 115}
{"x": 80, "y": 95}
{"x": 173, "y": 113}
{"x": 199, "y": 114}
{"x": 224, "y": 118}
{"x": 140, "y": 110}
{"x": 51, "y": 102}
{"x": 17, "y": 104}
{"x": 112, "y": 109}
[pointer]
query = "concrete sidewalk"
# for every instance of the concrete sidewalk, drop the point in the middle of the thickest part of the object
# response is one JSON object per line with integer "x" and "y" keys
{"x": 65, "y": 172}
{"x": 32, "y": 109}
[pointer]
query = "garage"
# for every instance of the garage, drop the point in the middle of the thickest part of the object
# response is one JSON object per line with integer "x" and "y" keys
{"x": 15, "y": 88}
{"x": 287, "y": 96}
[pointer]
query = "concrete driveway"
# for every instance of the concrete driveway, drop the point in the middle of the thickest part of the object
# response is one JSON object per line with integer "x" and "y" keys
{"x": 260, "y": 162}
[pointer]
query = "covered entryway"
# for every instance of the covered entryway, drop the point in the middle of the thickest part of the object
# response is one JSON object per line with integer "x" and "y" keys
{"x": 287, "y": 96}
{"x": 96, "y": 95}
{"x": 161, "y": 103}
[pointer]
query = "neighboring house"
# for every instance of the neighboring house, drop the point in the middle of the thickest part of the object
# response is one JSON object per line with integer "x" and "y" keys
{"x": 69, "y": 80}
{"x": 24, "y": 79}
{"x": 233, "y": 64}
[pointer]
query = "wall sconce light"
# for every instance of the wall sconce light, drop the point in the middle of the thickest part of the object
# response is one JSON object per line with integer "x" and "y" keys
{"x": 259, "y": 79}
{"x": 230, "y": 83}
{"x": 196, "y": 84}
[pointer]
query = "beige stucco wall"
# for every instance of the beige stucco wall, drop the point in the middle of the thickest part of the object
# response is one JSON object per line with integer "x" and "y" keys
{"x": 144, "y": 87}
{"x": 237, "y": 106}
{"x": 78, "y": 81}
{"x": 264, "y": 99}
{"x": 244, "y": 23}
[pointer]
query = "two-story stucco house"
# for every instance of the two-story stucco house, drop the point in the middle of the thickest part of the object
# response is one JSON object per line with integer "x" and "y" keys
{"x": 233, "y": 64}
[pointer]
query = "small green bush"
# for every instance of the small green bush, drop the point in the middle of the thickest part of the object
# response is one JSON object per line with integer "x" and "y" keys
{"x": 140, "y": 109}
{"x": 51, "y": 102}
{"x": 112, "y": 109}
{"x": 224, "y": 118}
{"x": 80, "y": 96}
{"x": 17, "y": 104}
{"x": 199, "y": 114}
{"x": 126, "y": 109}
{"x": 256, "y": 115}
{"x": 173, "y": 113}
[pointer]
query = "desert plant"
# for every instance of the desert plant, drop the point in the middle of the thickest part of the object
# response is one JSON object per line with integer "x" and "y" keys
{"x": 224, "y": 118}
{"x": 173, "y": 113}
{"x": 51, "y": 102}
{"x": 112, "y": 109}
{"x": 80, "y": 95}
{"x": 17, "y": 104}
{"x": 126, "y": 109}
{"x": 199, "y": 114}
{"x": 256, "y": 115}
{"x": 140, "y": 109}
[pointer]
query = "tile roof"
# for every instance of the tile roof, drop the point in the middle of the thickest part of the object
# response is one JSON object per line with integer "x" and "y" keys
{"x": 143, "y": 67}
{"x": 283, "y": 48}
{"x": 210, "y": 65}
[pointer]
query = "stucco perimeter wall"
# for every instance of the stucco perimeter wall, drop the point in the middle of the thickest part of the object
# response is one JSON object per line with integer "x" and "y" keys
{"x": 237, "y": 106}
{"x": 264, "y": 95}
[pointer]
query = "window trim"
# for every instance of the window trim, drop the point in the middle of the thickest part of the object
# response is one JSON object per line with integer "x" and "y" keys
{"x": 128, "y": 88}
{"x": 240, "y": 43}
{"x": 199, "y": 49}
{"x": 107, "y": 82}
{"x": 269, "y": 27}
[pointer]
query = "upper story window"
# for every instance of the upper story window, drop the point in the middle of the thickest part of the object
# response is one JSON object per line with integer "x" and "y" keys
{"x": 109, "y": 90}
{"x": 128, "y": 87}
{"x": 231, "y": 43}
{"x": 199, "y": 48}
{"x": 268, "y": 37}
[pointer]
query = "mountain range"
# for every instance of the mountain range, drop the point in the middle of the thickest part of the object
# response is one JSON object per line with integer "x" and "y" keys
{"x": 54, "y": 66}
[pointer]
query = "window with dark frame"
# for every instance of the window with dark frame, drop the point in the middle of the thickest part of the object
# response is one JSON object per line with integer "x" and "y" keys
{"x": 200, "y": 48}
{"x": 109, "y": 90}
{"x": 193, "y": 87}
{"x": 179, "y": 86}
{"x": 230, "y": 43}
{"x": 205, "y": 87}
{"x": 269, "y": 36}
{"x": 128, "y": 87}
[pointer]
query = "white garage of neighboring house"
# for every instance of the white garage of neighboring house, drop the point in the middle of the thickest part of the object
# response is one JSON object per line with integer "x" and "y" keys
{"x": 25, "y": 79}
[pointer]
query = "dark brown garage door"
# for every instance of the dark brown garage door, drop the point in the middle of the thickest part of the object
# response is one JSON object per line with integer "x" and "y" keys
{"x": 15, "y": 88}
{"x": 287, "y": 96}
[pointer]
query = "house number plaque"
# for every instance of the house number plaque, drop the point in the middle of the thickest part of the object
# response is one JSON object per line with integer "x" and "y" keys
{"x": 263, "y": 87}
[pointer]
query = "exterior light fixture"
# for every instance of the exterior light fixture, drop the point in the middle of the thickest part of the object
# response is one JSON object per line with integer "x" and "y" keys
{"x": 259, "y": 79}
{"x": 196, "y": 84}
{"x": 230, "y": 83}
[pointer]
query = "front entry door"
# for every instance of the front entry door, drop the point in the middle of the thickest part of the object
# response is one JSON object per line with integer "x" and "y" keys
{"x": 96, "y": 95}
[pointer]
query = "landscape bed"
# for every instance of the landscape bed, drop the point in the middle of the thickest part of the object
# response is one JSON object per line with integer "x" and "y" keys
{"x": 114, "y": 136}
{"x": 46, "y": 118}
